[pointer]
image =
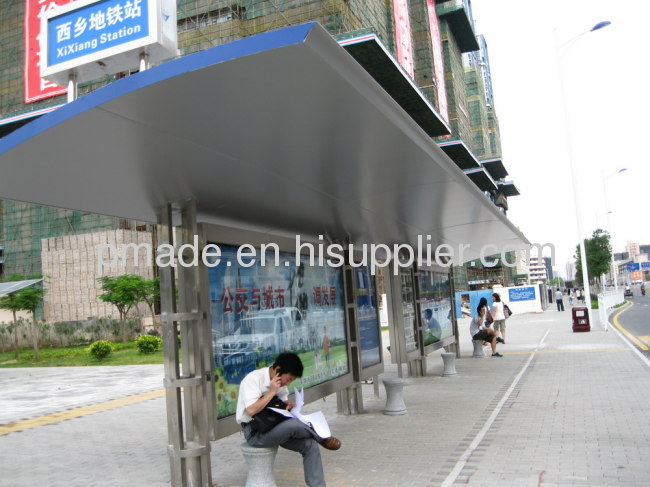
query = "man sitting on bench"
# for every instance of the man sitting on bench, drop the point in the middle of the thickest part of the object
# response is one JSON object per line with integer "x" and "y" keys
{"x": 256, "y": 391}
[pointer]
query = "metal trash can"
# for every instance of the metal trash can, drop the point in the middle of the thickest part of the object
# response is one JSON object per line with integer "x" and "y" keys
{"x": 580, "y": 319}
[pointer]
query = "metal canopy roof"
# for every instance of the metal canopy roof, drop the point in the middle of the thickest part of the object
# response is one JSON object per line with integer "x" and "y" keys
{"x": 495, "y": 168}
{"x": 460, "y": 154}
{"x": 508, "y": 188}
{"x": 482, "y": 179}
{"x": 9, "y": 124}
{"x": 14, "y": 286}
{"x": 370, "y": 53}
{"x": 282, "y": 133}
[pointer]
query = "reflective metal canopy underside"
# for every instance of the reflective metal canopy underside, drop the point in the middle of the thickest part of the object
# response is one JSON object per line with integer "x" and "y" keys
{"x": 15, "y": 286}
{"x": 281, "y": 133}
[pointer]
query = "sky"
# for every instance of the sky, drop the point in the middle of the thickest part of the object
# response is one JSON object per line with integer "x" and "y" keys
{"x": 602, "y": 126}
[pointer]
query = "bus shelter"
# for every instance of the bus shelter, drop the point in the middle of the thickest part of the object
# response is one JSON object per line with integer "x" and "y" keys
{"x": 260, "y": 141}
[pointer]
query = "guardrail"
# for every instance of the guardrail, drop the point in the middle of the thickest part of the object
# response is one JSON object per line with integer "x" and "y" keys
{"x": 607, "y": 300}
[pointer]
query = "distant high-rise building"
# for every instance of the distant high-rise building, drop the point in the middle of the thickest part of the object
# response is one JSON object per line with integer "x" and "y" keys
{"x": 537, "y": 271}
{"x": 633, "y": 249}
{"x": 570, "y": 268}
{"x": 549, "y": 268}
{"x": 481, "y": 60}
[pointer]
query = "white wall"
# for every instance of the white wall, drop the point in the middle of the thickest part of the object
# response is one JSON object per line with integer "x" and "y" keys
{"x": 8, "y": 317}
{"x": 521, "y": 299}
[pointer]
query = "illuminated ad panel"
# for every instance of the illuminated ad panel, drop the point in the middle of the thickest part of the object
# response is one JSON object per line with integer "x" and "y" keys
{"x": 367, "y": 317}
{"x": 35, "y": 87}
{"x": 403, "y": 42}
{"x": 96, "y": 27}
{"x": 261, "y": 310}
{"x": 95, "y": 38}
{"x": 435, "y": 305}
{"x": 438, "y": 63}
{"x": 408, "y": 310}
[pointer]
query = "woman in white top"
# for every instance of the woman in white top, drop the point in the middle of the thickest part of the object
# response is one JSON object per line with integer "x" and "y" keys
{"x": 499, "y": 317}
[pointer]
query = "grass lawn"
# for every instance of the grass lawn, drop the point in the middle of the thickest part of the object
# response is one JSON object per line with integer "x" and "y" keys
{"x": 123, "y": 354}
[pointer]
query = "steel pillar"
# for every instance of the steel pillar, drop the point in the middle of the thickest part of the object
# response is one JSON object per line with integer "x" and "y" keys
{"x": 189, "y": 388}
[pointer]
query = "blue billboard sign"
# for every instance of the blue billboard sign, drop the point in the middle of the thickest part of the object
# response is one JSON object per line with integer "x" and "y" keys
{"x": 88, "y": 39}
{"x": 522, "y": 294}
{"x": 645, "y": 265}
{"x": 632, "y": 266}
{"x": 96, "y": 27}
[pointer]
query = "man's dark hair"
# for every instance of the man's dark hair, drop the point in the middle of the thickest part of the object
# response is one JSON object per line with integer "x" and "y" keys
{"x": 289, "y": 363}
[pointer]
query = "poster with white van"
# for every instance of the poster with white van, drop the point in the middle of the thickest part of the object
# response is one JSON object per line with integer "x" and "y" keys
{"x": 259, "y": 311}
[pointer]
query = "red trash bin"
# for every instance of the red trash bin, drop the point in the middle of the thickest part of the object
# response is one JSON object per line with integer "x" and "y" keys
{"x": 580, "y": 319}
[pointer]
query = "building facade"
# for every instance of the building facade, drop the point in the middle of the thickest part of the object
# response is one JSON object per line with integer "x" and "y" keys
{"x": 537, "y": 271}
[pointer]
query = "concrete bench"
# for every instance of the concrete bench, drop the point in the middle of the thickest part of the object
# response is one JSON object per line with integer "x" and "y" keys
{"x": 449, "y": 361}
{"x": 259, "y": 463}
{"x": 478, "y": 349}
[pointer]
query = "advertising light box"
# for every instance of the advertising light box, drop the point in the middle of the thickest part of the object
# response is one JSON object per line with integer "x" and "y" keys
{"x": 95, "y": 38}
{"x": 435, "y": 305}
{"x": 260, "y": 311}
{"x": 368, "y": 318}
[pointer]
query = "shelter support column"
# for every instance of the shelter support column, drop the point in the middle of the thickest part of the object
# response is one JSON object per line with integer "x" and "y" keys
{"x": 350, "y": 399}
{"x": 417, "y": 367}
{"x": 455, "y": 347}
{"x": 189, "y": 386}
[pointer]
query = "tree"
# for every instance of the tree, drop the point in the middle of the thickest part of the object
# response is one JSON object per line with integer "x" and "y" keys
{"x": 10, "y": 302}
{"x": 26, "y": 299}
{"x": 599, "y": 256}
{"x": 29, "y": 298}
{"x": 557, "y": 282}
{"x": 152, "y": 295}
{"x": 124, "y": 292}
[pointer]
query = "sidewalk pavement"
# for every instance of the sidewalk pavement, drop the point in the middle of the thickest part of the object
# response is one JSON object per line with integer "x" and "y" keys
{"x": 558, "y": 409}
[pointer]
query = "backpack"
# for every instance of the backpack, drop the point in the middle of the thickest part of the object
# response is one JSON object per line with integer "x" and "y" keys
{"x": 506, "y": 311}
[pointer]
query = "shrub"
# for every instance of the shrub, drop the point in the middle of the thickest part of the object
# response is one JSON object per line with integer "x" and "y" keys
{"x": 100, "y": 349}
{"x": 65, "y": 331}
{"x": 148, "y": 344}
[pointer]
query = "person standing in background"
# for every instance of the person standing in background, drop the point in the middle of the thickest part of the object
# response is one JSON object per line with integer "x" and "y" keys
{"x": 559, "y": 301}
{"x": 499, "y": 316}
{"x": 326, "y": 347}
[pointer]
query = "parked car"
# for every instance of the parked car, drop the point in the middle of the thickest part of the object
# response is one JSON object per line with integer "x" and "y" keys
{"x": 273, "y": 330}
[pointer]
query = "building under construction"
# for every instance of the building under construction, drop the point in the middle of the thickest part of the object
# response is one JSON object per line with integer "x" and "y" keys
{"x": 433, "y": 42}
{"x": 373, "y": 127}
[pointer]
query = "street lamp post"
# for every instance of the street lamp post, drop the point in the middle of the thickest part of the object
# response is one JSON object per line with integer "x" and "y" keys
{"x": 571, "y": 152}
{"x": 609, "y": 225}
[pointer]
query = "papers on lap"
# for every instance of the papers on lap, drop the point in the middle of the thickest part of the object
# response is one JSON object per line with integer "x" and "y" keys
{"x": 316, "y": 420}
